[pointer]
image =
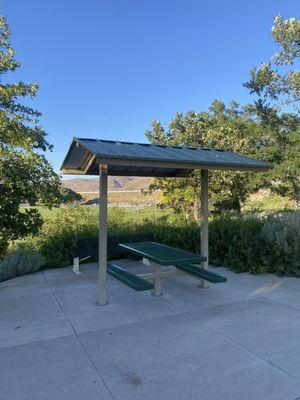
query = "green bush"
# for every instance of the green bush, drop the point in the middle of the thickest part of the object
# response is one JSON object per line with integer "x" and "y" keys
{"x": 282, "y": 233}
{"x": 19, "y": 261}
{"x": 241, "y": 243}
{"x": 249, "y": 243}
{"x": 174, "y": 231}
{"x": 257, "y": 245}
{"x": 237, "y": 243}
{"x": 57, "y": 236}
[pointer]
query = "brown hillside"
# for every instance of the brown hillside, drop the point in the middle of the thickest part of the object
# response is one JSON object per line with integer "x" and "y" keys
{"x": 83, "y": 185}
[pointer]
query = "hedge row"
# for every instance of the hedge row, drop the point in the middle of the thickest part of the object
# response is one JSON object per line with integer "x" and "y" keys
{"x": 256, "y": 245}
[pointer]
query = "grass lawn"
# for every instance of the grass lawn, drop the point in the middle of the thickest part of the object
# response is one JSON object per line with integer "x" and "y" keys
{"x": 265, "y": 201}
{"x": 129, "y": 212}
{"x": 261, "y": 201}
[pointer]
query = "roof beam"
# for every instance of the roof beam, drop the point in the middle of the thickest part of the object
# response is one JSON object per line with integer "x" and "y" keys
{"x": 178, "y": 165}
{"x": 89, "y": 164}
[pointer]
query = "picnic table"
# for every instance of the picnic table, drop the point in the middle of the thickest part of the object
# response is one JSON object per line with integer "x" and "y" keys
{"x": 159, "y": 256}
{"x": 161, "y": 253}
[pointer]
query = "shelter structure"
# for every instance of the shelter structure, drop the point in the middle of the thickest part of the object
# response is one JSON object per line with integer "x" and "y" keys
{"x": 119, "y": 158}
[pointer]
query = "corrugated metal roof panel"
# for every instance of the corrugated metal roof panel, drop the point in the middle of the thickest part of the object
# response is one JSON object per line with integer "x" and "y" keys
{"x": 144, "y": 158}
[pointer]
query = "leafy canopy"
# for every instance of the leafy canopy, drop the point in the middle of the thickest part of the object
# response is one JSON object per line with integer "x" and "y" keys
{"x": 277, "y": 82}
{"x": 227, "y": 128}
{"x": 267, "y": 130}
{"x": 25, "y": 174}
{"x": 68, "y": 195}
{"x": 277, "y": 86}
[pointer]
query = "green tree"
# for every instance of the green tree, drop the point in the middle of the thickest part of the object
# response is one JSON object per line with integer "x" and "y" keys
{"x": 267, "y": 130}
{"x": 25, "y": 174}
{"x": 277, "y": 87}
{"x": 68, "y": 195}
{"x": 277, "y": 82}
{"x": 228, "y": 128}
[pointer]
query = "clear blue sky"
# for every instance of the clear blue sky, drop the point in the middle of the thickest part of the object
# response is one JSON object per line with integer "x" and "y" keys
{"x": 106, "y": 68}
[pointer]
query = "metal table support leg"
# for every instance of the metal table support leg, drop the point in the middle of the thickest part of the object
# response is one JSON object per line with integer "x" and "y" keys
{"x": 157, "y": 279}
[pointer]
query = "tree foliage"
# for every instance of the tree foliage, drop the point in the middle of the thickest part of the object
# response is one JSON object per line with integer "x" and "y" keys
{"x": 277, "y": 82}
{"x": 230, "y": 128}
{"x": 68, "y": 195}
{"x": 267, "y": 130}
{"x": 277, "y": 86}
{"x": 237, "y": 129}
{"x": 25, "y": 174}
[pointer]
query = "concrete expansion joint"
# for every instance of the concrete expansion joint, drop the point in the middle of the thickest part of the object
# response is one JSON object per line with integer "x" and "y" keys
{"x": 245, "y": 348}
{"x": 80, "y": 342}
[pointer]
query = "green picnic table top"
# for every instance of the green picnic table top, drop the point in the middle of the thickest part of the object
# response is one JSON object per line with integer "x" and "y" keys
{"x": 161, "y": 254}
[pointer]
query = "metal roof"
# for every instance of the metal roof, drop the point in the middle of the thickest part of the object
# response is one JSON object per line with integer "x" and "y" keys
{"x": 143, "y": 159}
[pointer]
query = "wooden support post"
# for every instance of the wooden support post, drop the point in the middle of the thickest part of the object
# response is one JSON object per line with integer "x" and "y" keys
{"x": 204, "y": 221}
{"x": 102, "y": 254}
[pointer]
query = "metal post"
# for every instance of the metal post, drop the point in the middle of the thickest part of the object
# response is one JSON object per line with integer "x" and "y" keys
{"x": 157, "y": 279}
{"x": 102, "y": 254}
{"x": 204, "y": 221}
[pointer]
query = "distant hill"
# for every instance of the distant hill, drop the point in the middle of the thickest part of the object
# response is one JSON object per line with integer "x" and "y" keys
{"x": 84, "y": 185}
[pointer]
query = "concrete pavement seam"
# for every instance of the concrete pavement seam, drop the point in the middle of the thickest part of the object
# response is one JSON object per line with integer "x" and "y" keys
{"x": 244, "y": 347}
{"x": 80, "y": 342}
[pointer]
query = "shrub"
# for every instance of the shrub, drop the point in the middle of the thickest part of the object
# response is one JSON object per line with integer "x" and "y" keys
{"x": 68, "y": 195}
{"x": 57, "y": 236}
{"x": 19, "y": 261}
{"x": 282, "y": 232}
{"x": 4, "y": 244}
{"x": 237, "y": 243}
{"x": 249, "y": 243}
{"x": 174, "y": 231}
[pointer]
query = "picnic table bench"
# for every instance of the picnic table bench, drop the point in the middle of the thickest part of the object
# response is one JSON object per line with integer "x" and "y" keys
{"x": 159, "y": 256}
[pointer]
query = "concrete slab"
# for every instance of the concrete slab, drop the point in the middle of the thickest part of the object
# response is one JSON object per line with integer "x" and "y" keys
{"x": 237, "y": 340}
{"x": 264, "y": 285}
{"x": 22, "y": 285}
{"x": 52, "y": 369}
{"x": 64, "y": 279}
{"x": 125, "y": 306}
{"x": 176, "y": 357}
{"x": 292, "y": 300}
{"x": 270, "y": 329}
{"x": 28, "y": 318}
{"x": 185, "y": 292}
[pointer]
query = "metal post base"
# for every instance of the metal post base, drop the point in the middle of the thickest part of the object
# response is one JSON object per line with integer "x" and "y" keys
{"x": 204, "y": 284}
{"x": 101, "y": 305}
{"x": 157, "y": 295}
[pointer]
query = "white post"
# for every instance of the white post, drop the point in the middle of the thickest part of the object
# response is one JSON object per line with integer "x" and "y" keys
{"x": 75, "y": 268}
{"x": 204, "y": 221}
{"x": 102, "y": 248}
